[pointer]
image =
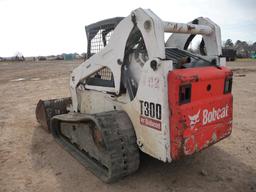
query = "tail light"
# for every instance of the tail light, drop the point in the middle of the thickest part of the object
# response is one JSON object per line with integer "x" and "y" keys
{"x": 185, "y": 94}
{"x": 228, "y": 85}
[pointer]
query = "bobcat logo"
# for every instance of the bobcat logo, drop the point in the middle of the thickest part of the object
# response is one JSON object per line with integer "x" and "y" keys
{"x": 194, "y": 119}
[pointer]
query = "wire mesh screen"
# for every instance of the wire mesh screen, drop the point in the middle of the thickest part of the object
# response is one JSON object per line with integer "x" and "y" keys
{"x": 103, "y": 77}
{"x": 100, "y": 40}
{"x": 99, "y": 33}
{"x": 104, "y": 74}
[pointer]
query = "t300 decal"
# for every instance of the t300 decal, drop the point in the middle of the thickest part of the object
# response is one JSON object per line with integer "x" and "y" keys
{"x": 150, "y": 114}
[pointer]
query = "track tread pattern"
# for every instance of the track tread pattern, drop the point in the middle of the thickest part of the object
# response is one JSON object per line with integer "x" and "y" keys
{"x": 119, "y": 138}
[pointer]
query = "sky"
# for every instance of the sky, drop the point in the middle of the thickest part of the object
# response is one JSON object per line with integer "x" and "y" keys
{"x": 45, "y": 27}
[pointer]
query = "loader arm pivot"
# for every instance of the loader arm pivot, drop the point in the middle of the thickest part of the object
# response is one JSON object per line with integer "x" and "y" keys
{"x": 152, "y": 29}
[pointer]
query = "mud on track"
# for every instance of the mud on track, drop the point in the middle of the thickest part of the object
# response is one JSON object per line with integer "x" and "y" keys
{"x": 31, "y": 161}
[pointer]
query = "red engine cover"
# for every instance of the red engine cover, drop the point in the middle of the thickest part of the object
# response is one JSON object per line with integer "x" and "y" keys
{"x": 206, "y": 115}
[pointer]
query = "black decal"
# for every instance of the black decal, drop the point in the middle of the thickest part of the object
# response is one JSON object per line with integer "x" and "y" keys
{"x": 158, "y": 111}
{"x": 146, "y": 105}
{"x": 141, "y": 107}
{"x": 152, "y": 110}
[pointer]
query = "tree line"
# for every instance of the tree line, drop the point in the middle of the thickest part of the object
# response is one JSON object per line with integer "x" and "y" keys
{"x": 243, "y": 48}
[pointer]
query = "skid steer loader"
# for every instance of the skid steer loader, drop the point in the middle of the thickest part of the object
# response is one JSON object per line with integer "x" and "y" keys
{"x": 138, "y": 92}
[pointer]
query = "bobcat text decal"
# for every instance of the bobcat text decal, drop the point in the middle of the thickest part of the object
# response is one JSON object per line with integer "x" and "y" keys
{"x": 208, "y": 116}
{"x": 214, "y": 114}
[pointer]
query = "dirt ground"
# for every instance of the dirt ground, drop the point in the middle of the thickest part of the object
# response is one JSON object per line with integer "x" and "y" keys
{"x": 30, "y": 160}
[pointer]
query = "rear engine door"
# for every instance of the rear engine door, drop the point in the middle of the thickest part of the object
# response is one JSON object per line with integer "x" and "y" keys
{"x": 200, "y": 103}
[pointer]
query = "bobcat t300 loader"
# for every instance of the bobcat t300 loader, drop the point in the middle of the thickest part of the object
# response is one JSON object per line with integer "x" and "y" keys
{"x": 138, "y": 92}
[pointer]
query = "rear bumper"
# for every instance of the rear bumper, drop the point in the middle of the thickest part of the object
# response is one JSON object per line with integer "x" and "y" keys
{"x": 206, "y": 137}
{"x": 209, "y": 128}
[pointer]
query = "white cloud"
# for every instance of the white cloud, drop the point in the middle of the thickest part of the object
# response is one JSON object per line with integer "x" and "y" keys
{"x": 42, "y": 27}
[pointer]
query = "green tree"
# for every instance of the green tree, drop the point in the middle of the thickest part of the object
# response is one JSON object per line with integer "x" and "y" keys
{"x": 229, "y": 44}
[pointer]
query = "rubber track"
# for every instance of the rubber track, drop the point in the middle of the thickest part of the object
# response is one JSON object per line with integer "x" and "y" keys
{"x": 118, "y": 134}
